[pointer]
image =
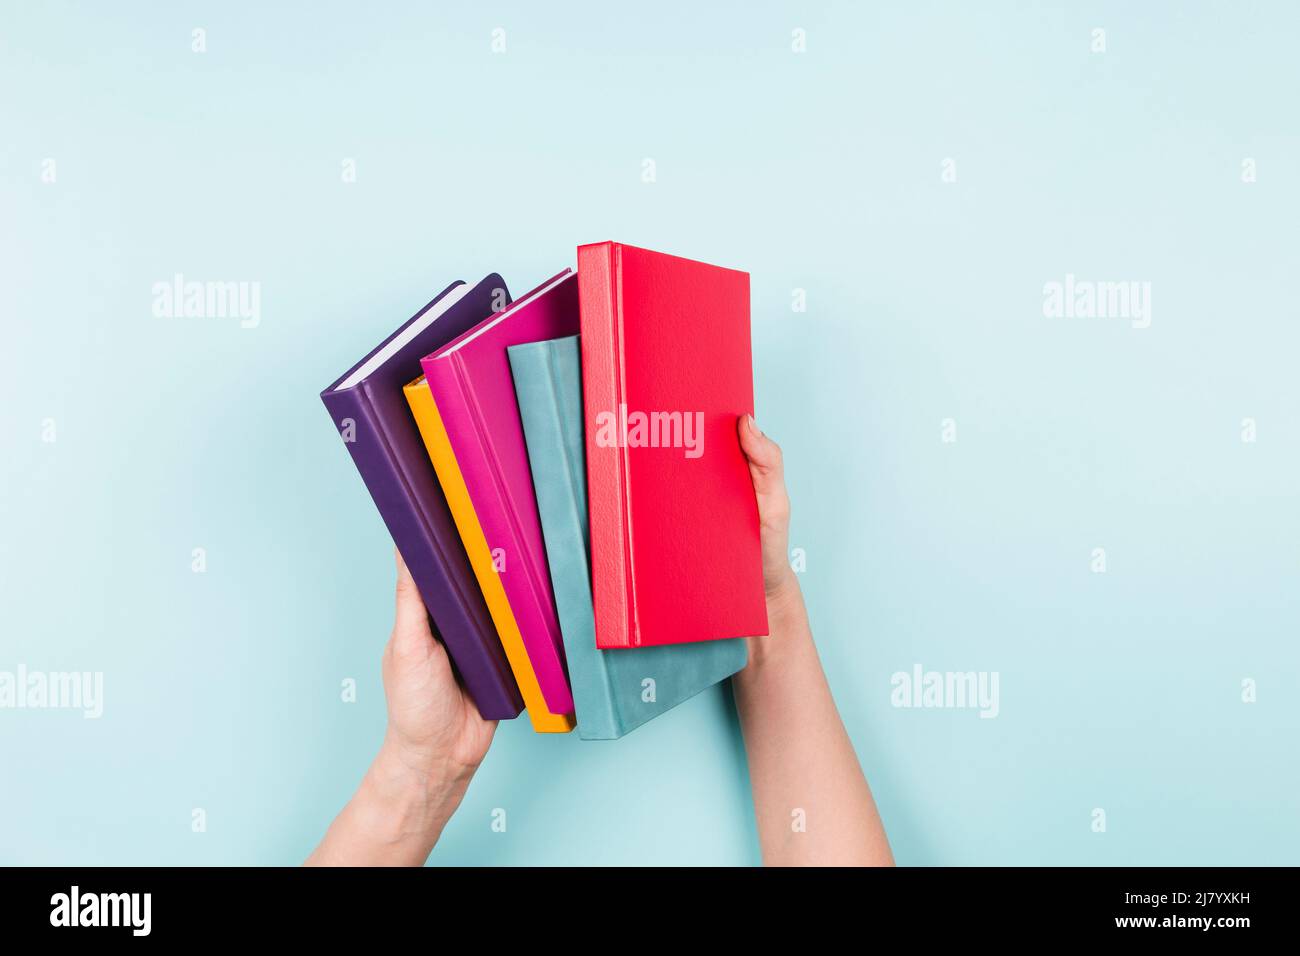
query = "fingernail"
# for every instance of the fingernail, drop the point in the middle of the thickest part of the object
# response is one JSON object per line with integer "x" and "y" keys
{"x": 754, "y": 425}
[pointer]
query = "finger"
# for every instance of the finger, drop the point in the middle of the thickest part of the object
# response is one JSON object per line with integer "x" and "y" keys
{"x": 411, "y": 634}
{"x": 767, "y": 470}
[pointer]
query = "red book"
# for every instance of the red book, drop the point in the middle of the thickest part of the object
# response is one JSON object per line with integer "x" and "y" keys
{"x": 666, "y": 375}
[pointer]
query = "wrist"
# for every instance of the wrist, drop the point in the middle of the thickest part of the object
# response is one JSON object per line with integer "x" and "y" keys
{"x": 787, "y": 623}
{"x": 404, "y": 802}
{"x": 783, "y": 598}
{"x": 409, "y": 777}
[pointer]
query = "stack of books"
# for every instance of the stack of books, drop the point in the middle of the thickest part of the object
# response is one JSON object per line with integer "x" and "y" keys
{"x": 562, "y": 475}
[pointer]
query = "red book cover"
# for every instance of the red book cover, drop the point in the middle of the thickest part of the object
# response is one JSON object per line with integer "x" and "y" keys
{"x": 666, "y": 374}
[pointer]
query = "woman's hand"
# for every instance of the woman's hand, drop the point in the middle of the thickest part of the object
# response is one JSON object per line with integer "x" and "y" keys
{"x": 785, "y": 610}
{"x": 434, "y": 728}
{"x": 434, "y": 743}
{"x": 768, "y": 474}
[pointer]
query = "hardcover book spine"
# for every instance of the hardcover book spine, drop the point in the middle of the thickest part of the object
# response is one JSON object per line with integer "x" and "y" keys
{"x": 433, "y": 431}
{"x": 546, "y": 377}
{"x": 602, "y": 361}
{"x": 483, "y": 668}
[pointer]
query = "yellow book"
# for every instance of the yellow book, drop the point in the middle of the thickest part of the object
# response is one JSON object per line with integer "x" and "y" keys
{"x": 425, "y": 410}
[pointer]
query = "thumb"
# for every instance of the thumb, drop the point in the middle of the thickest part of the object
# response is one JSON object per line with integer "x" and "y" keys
{"x": 768, "y": 475}
{"x": 411, "y": 634}
{"x": 767, "y": 471}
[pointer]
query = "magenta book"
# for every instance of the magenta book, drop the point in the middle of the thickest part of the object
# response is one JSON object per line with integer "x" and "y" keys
{"x": 472, "y": 385}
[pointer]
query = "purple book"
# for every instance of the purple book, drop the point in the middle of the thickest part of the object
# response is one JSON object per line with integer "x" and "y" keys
{"x": 372, "y": 416}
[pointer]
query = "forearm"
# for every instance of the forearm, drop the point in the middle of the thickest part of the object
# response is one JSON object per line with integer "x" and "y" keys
{"x": 395, "y": 817}
{"x": 811, "y": 799}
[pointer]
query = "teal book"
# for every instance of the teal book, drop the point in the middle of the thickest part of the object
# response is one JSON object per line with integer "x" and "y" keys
{"x": 614, "y": 691}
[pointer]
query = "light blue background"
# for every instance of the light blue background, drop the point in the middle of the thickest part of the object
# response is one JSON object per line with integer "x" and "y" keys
{"x": 818, "y": 171}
